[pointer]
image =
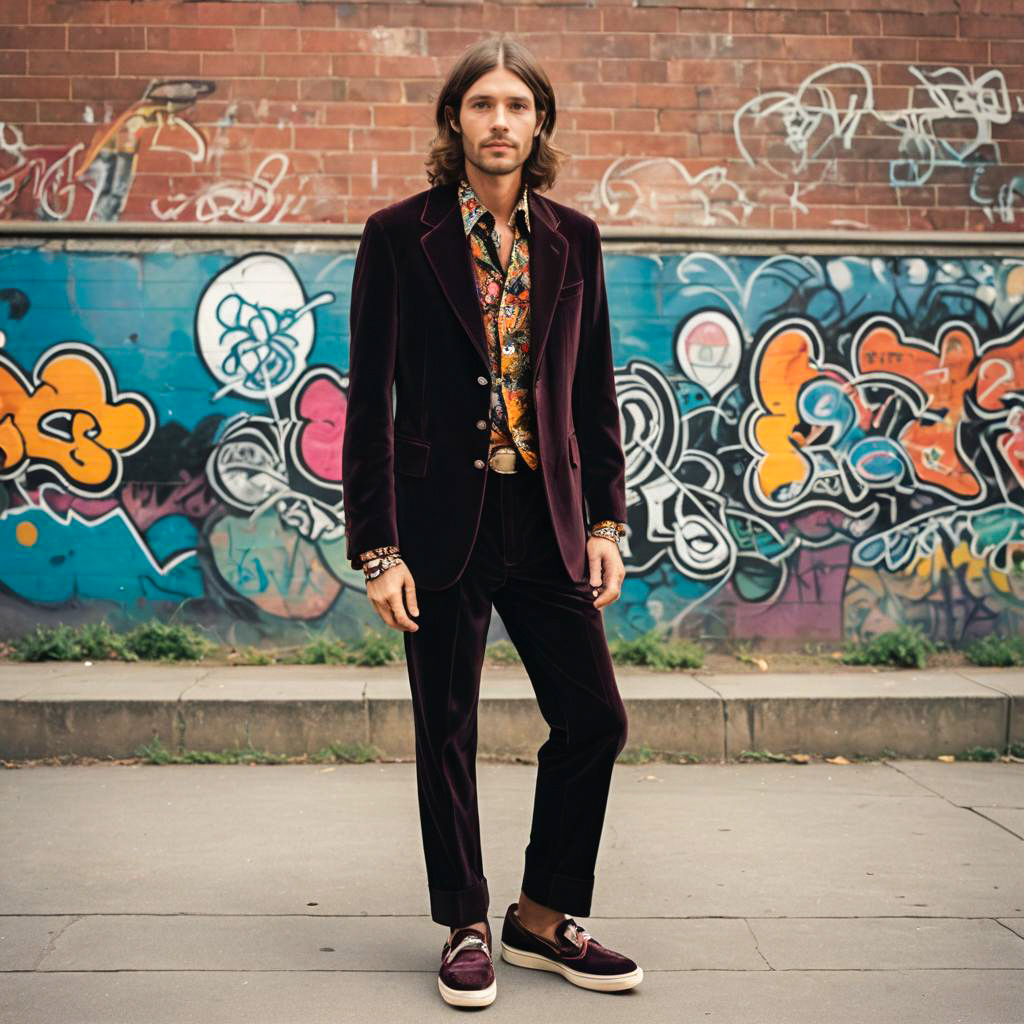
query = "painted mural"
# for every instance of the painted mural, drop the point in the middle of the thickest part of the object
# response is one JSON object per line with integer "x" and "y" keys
{"x": 818, "y": 446}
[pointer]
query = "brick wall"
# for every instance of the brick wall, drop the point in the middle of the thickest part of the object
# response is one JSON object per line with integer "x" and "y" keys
{"x": 858, "y": 114}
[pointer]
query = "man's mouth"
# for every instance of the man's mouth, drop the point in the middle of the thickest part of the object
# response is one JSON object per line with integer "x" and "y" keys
{"x": 497, "y": 145}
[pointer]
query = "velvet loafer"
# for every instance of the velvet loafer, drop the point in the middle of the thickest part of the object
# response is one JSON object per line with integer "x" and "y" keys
{"x": 574, "y": 953}
{"x": 466, "y": 976}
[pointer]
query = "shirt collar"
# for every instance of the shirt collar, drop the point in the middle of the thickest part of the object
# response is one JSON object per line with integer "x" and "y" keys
{"x": 473, "y": 209}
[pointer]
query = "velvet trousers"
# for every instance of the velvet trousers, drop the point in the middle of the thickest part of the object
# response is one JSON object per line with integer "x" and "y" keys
{"x": 514, "y": 567}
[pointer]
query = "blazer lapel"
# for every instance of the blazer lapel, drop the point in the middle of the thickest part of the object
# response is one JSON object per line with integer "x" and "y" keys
{"x": 447, "y": 250}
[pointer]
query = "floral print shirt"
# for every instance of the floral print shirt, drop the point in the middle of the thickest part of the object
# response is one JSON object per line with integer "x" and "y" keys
{"x": 505, "y": 307}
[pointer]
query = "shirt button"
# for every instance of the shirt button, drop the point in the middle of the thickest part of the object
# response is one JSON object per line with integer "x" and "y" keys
{"x": 481, "y": 380}
{"x": 479, "y": 463}
{"x": 481, "y": 424}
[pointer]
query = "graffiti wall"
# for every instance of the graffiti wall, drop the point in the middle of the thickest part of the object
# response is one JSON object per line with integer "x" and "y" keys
{"x": 818, "y": 445}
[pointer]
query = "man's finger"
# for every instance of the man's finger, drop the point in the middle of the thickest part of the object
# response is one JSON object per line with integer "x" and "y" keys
{"x": 410, "y": 597}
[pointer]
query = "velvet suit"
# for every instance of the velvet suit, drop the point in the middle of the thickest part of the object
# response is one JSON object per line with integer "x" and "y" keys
{"x": 415, "y": 474}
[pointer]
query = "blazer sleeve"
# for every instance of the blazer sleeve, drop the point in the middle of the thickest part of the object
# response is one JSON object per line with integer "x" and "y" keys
{"x": 367, "y": 454}
{"x": 595, "y": 405}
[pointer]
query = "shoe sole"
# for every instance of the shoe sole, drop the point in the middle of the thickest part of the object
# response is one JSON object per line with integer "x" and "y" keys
{"x": 468, "y": 997}
{"x": 595, "y": 982}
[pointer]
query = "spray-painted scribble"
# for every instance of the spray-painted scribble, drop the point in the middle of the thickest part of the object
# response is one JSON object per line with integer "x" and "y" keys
{"x": 94, "y": 182}
{"x": 800, "y": 137}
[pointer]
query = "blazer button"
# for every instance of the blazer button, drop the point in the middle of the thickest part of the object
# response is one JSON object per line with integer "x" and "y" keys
{"x": 479, "y": 463}
{"x": 481, "y": 380}
{"x": 481, "y": 424}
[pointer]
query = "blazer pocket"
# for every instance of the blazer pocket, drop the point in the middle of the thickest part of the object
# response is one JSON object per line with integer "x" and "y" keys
{"x": 570, "y": 290}
{"x": 411, "y": 456}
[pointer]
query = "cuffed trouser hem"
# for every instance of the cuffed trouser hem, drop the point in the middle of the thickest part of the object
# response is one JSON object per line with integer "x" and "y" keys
{"x": 560, "y": 892}
{"x": 458, "y": 907}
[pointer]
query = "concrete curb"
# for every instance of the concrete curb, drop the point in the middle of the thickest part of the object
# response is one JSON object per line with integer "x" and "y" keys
{"x": 110, "y": 708}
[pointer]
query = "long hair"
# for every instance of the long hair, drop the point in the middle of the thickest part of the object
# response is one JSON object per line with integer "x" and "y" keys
{"x": 446, "y": 160}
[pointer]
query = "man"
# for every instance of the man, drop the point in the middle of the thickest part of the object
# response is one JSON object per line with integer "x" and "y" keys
{"x": 484, "y": 304}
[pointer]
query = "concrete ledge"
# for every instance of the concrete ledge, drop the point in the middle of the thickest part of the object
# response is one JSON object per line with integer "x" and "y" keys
{"x": 109, "y": 709}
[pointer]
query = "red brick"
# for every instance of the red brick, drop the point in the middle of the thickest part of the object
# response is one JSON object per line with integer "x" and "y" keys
{"x": 681, "y": 147}
{"x": 959, "y": 51}
{"x": 988, "y": 27}
{"x": 824, "y": 49}
{"x": 62, "y": 12}
{"x": 63, "y": 62}
{"x": 884, "y": 49}
{"x": 348, "y": 113}
{"x": 885, "y": 218}
{"x": 102, "y": 37}
{"x": 401, "y": 115}
{"x": 323, "y": 137}
{"x": 296, "y": 65}
{"x": 57, "y": 134}
{"x": 121, "y": 89}
{"x": 702, "y": 72}
{"x": 189, "y": 38}
{"x": 602, "y": 94}
{"x": 917, "y": 25}
{"x": 630, "y": 19}
{"x": 854, "y": 23}
{"x": 235, "y": 13}
{"x": 690, "y": 46}
{"x": 447, "y": 43}
{"x": 664, "y": 95}
{"x": 24, "y": 111}
{"x": 35, "y": 37}
{"x": 608, "y": 44}
{"x": 260, "y": 88}
{"x": 304, "y": 15}
{"x": 570, "y": 72}
{"x": 586, "y": 120}
{"x": 375, "y": 90}
{"x": 695, "y": 21}
{"x": 628, "y": 71}
{"x": 158, "y": 63}
{"x": 557, "y": 19}
{"x": 395, "y": 140}
{"x": 224, "y": 65}
{"x": 322, "y": 89}
{"x": 13, "y": 62}
{"x": 634, "y": 120}
{"x": 267, "y": 40}
{"x": 354, "y": 65}
{"x": 790, "y": 23}
{"x": 151, "y": 12}
{"x": 13, "y": 12}
{"x": 750, "y": 47}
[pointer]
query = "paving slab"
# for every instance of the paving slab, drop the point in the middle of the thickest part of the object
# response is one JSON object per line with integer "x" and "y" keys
{"x": 750, "y": 894}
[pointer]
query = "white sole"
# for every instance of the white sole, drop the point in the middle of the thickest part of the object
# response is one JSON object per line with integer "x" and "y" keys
{"x": 595, "y": 982}
{"x": 468, "y": 997}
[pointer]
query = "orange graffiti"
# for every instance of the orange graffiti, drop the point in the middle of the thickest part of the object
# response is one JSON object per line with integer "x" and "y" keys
{"x": 943, "y": 376}
{"x": 785, "y": 365}
{"x": 71, "y": 420}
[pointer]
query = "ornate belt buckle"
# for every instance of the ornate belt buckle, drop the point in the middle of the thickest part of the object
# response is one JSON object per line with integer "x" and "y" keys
{"x": 503, "y": 460}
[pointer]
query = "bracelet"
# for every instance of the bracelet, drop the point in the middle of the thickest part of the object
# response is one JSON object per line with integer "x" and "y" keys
{"x": 378, "y": 560}
{"x": 382, "y": 564}
{"x": 608, "y": 528}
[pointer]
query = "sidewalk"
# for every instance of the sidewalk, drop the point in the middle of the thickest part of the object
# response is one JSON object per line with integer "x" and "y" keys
{"x": 109, "y": 708}
{"x": 884, "y": 893}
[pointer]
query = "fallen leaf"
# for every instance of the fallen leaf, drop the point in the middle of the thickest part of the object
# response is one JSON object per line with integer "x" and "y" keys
{"x": 800, "y": 758}
{"x": 946, "y": 758}
{"x": 838, "y": 759}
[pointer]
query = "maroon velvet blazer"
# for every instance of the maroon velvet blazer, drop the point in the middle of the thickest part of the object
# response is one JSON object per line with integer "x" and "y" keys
{"x": 414, "y": 466}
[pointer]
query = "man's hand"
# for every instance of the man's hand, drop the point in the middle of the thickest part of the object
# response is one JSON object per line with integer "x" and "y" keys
{"x": 391, "y": 593}
{"x": 606, "y": 569}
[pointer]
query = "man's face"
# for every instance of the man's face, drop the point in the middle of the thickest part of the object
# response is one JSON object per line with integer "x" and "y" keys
{"x": 498, "y": 107}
